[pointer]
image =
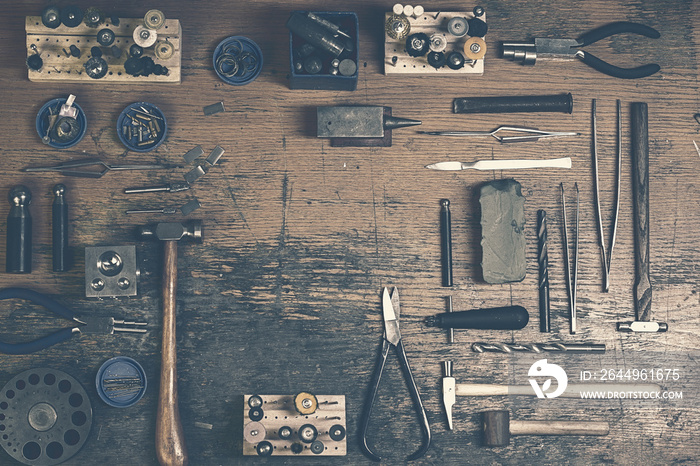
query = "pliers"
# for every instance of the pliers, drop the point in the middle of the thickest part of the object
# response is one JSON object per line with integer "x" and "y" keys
{"x": 527, "y": 52}
{"x": 106, "y": 325}
{"x": 392, "y": 337}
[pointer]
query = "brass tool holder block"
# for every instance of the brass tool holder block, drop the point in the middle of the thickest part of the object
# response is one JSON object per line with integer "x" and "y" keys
{"x": 429, "y": 23}
{"x": 59, "y": 67}
{"x": 279, "y": 411}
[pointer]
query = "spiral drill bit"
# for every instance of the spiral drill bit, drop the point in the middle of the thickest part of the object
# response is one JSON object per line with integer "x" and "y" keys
{"x": 543, "y": 261}
{"x": 537, "y": 347}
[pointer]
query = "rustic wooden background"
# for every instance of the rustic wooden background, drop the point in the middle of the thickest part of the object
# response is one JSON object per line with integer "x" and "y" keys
{"x": 300, "y": 238}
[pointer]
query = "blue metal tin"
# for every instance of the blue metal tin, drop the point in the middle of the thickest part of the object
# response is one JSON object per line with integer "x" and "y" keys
{"x": 246, "y": 69}
{"x": 134, "y": 138}
{"x": 121, "y": 382}
{"x": 42, "y": 123}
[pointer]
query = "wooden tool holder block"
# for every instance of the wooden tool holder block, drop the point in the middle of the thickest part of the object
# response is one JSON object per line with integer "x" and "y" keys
{"x": 428, "y": 23}
{"x": 279, "y": 411}
{"x": 59, "y": 67}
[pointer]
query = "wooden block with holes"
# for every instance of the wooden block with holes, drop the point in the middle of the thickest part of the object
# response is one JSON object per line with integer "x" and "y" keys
{"x": 60, "y": 66}
{"x": 277, "y": 428}
{"x": 398, "y": 62}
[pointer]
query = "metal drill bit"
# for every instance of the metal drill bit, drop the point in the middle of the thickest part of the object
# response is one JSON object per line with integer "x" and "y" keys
{"x": 606, "y": 258}
{"x": 570, "y": 276}
{"x": 543, "y": 262}
{"x": 482, "y": 347}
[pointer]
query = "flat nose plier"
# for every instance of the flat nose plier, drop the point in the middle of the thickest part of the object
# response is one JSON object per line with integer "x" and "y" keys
{"x": 528, "y": 52}
{"x": 106, "y": 325}
{"x": 392, "y": 337}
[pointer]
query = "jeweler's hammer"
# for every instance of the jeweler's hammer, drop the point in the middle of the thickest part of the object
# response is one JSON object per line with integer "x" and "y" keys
{"x": 170, "y": 439}
{"x": 640, "y": 183}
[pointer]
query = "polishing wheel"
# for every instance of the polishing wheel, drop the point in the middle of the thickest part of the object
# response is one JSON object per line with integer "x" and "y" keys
{"x": 45, "y": 417}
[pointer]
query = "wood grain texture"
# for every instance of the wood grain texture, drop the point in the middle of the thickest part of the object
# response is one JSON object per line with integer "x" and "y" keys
{"x": 284, "y": 294}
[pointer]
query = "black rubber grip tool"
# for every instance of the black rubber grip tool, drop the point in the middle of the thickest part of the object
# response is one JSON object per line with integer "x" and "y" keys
{"x": 497, "y": 318}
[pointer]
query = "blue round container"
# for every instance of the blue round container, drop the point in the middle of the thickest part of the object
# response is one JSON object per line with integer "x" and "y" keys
{"x": 135, "y": 113}
{"x": 42, "y": 123}
{"x": 251, "y": 66}
{"x": 127, "y": 376}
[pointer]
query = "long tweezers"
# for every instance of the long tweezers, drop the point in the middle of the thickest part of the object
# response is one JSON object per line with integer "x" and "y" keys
{"x": 526, "y": 134}
{"x": 571, "y": 277}
{"x": 607, "y": 258}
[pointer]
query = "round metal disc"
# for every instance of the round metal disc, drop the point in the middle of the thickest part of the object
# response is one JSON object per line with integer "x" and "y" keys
{"x": 71, "y": 16}
{"x": 154, "y": 19}
{"x": 45, "y": 417}
{"x": 144, "y": 37}
{"x": 51, "y": 17}
{"x": 164, "y": 50}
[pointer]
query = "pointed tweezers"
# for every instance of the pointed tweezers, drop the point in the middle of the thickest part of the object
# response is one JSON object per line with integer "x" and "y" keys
{"x": 607, "y": 258}
{"x": 571, "y": 277}
{"x": 528, "y": 134}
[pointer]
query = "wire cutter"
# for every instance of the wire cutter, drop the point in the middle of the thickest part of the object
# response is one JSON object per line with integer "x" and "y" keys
{"x": 392, "y": 337}
{"x": 527, "y": 52}
{"x": 107, "y": 325}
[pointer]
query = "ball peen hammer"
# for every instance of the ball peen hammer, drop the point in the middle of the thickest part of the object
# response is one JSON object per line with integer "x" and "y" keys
{"x": 497, "y": 428}
{"x": 640, "y": 183}
{"x": 170, "y": 439}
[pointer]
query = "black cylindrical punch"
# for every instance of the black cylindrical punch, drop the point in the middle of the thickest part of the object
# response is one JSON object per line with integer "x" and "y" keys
{"x": 446, "y": 242}
{"x": 19, "y": 231}
{"x": 512, "y": 104}
{"x": 59, "y": 227}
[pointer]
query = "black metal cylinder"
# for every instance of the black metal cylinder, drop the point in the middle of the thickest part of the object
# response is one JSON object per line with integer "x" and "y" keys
{"x": 19, "y": 232}
{"x": 446, "y": 242}
{"x": 512, "y": 104}
{"x": 59, "y": 227}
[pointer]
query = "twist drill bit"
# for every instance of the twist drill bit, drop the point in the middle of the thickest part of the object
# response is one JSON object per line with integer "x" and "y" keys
{"x": 481, "y": 347}
{"x": 543, "y": 261}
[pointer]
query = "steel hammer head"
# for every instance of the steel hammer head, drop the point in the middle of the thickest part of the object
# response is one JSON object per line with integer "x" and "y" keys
{"x": 173, "y": 231}
{"x": 448, "y": 391}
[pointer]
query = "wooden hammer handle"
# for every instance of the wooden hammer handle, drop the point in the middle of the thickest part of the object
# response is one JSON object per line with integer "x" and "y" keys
{"x": 640, "y": 182}
{"x": 559, "y": 428}
{"x": 170, "y": 439}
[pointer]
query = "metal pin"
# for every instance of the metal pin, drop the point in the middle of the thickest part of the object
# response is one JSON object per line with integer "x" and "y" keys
{"x": 446, "y": 242}
{"x": 451, "y": 330}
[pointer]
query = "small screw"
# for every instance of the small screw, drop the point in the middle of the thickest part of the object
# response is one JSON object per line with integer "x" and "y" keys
{"x": 97, "y": 284}
{"x": 476, "y": 48}
{"x": 123, "y": 283}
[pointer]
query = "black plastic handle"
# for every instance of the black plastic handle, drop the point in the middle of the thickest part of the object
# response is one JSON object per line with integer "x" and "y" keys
{"x": 619, "y": 27}
{"x": 497, "y": 318}
{"x": 615, "y": 71}
{"x": 511, "y": 104}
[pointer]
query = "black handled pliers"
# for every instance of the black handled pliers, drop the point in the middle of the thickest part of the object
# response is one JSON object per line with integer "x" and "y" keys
{"x": 106, "y": 325}
{"x": 528, "y": 52}
{"x": 392, "y": 337}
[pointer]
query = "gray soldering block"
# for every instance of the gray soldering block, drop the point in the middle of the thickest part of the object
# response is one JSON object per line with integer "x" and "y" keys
{"x": 502, "y": 231}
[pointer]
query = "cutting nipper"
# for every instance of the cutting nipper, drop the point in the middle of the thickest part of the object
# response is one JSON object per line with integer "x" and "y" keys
{"x": 105, "y": 325}
{"x": 392, "y": 337}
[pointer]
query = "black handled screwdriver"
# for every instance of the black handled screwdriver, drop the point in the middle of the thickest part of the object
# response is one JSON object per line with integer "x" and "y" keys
{"x": 497, "y": 318}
